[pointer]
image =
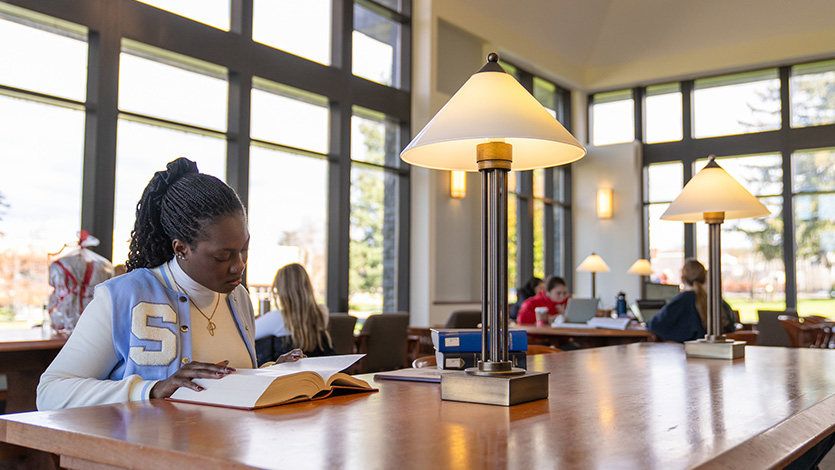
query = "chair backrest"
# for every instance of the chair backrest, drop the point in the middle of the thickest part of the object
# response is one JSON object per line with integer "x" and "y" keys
{"x": 341, "y": 328}
{"x": 386, "y": 341}
{"x": 804, "y": 334}
{"x": 463, "y": 319}
{"x": 770, "y": 330}
{"x": 424, "y": 361}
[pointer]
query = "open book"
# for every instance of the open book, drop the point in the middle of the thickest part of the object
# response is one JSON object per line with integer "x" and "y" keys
{"x": 310, "y": 378}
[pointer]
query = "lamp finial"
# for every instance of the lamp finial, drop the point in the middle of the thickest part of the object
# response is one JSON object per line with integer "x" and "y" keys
{"x": 492, "y": 57}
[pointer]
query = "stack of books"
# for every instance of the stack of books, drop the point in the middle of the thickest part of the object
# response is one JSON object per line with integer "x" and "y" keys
{"x": 460, "y": 348}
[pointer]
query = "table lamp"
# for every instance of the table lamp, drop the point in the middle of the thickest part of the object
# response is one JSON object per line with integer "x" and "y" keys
{"x": 593, "y": 264}
{"x": 640, "y": 267}
{"x": 493, "y": 125}
{"x": 713, "y": 196}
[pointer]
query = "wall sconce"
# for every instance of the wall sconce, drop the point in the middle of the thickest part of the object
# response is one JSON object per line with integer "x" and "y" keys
{"x": 457, "y": 184}
{"x": 604, "y": 203}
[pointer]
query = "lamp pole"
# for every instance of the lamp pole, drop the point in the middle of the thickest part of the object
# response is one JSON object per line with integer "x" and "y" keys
{"x": 714, "y": 325}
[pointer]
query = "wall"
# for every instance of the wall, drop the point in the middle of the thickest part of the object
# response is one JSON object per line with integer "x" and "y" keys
{"x": 616, "y": 240}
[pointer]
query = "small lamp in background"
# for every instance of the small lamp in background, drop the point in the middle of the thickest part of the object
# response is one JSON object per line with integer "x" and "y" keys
{"x": 713, "y": 196}
{"x": 641, "y": 268}
{"x": 605, "y": 203}
{"x": 593, "y": 264}
{"x": 493, "y": 125}
{"x": 457, "y": 184}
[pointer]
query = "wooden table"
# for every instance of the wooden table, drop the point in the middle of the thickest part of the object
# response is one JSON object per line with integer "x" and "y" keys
{"x": 583, "y": 337}
{"x": 637, "y": 406}
{"x": 24, "y": 355}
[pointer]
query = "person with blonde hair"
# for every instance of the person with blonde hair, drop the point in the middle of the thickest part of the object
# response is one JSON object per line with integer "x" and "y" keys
{"x": 684, "y": 318}
{"x": 299, "y": 323}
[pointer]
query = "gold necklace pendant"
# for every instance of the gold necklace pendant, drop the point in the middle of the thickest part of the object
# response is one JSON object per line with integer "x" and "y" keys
{"x": 211, "y": 327}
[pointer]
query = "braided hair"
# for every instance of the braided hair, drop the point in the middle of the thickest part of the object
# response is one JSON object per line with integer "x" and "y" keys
{"x": 177, "y": 203}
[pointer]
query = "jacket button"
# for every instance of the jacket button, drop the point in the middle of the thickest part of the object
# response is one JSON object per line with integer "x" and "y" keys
{"x": 184, "y": 328}
{"x": 186, "y": 360}
{"x": 183, "y": 299}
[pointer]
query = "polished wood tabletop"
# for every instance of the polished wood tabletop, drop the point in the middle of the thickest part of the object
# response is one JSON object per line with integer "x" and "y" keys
{"x": 637, "y": 406}
{"x": 24, "y": 355}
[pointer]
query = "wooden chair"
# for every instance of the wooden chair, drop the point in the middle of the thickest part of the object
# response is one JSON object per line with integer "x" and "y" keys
{"x": 424, "y": 361}
{"x": 806, "y": 334}
{"x": 770, "y": 331}
{"x": 341, "y": 328}
{"x": 749, "y": 336}
{"x": 383, "y": 339}
{"x": 463, "y": 319}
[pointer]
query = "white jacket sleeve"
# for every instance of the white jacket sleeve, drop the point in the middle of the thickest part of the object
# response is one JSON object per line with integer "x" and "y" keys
{"x": 78, "y": 375}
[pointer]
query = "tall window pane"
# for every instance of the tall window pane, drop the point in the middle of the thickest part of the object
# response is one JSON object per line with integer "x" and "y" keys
{"x": 559, "y": 230}
{"x": 813, "y": 94}
{"x": 38, "y": 214}
{"x": 545, "y": 92}
{"x": 753, "y": 270}
{"x": 512, "y": 243}
{"x": 142, "y": 150}
{"x": 613, "y": 119}
{"x": 375, "y": 41}
{"x": 666, "y": 239}
{"x": 539, "y": 239}
{"x": 736, "y": 104}
{"x": 374, "y": 139}
{"x": 814, "y": 206}
{"x": 155, "y": 89}
{"x": 662, "y": 108}
{"x": 43, "y": 61}
{"x": 211, "y": 12}
{"x": 287, "y": 218}
{"x": 300, "y": 27}
{"x": 290, "y": 120}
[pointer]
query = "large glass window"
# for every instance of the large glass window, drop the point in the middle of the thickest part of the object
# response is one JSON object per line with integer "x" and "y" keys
{"x": 736, "y": 104}
{"x": 753, "y": 272}
{"x": 662, "y": 107}
{"x": 613, "y": 117}
{"x": 666, "y": 239}
{"x": 38, "y": 215}
{"x": 288, "y": 117}
{"x": 813, "y": 94}
{"x": 374, "y": 209}
{"x": 814, "y": 206}
{"x": 376, "y": 41}
{"x": 155, "y": 89}
{"x": 300, "y": 27}
{"x": 211, "y": 12}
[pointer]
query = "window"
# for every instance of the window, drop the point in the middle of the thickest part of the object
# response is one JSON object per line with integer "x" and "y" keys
{"x": 813, "y": 94}
{"x": 289, "y": 117}
{"x": 814, "y": 206}
{"x": 666, "y": 239}
{"x": 375, "y": 41}
{"x": 300, "y": 27}
{"x": 753, "y": 273}
{"x": 211, "y": 12}
{"x": 374, "y": 213}
{"x": 613, "y": 117}
{"x": 662, "y": 107}
{"x": 44, "y": 131}
{"x": 736, "y": 104}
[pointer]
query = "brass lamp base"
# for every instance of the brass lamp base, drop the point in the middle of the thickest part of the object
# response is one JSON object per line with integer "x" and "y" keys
{"x": 715, "y": 349}
{"x": 492, "y": 390}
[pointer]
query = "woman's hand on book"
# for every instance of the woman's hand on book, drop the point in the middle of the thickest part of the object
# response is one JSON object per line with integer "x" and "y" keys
{"x": 192, "y": 370}
{"x": 291, "y": 356}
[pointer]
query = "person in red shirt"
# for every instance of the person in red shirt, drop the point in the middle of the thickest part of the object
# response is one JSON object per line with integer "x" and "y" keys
{"x": 554, "y": 296}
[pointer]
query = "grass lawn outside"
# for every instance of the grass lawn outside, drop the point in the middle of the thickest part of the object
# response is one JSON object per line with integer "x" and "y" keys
{"x": 748, "y": 308}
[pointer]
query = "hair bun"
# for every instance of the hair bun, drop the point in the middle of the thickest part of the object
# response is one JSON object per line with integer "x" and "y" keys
{"x": 174, "y": 171}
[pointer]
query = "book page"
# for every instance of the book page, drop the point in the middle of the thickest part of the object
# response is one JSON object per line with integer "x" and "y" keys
{"x": 235, "y": 390}
{"x": 325, "y": 366}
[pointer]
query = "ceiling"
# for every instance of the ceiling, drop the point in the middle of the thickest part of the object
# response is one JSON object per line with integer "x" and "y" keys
{"x": 603, "y": 36}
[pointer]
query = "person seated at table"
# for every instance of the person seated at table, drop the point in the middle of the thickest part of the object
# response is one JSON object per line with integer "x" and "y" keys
{"x": 554, "y": 296}
{"x": 299, "y": 323}
{"x": 179, "y": 313}
{"x": 684, "y": 317}
{"x": 533, "y": 286}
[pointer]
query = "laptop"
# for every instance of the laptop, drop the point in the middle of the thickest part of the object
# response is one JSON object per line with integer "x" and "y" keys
{"x": 580, "y": 310}
{"x": 644, "y": 310}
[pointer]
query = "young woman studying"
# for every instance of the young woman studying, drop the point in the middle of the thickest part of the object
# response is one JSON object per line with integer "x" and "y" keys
{"x": 179, "y": 313}
{"x": 299, "y": 323}
{"x": 684, "y": 317}
{"x": 554, "y": 296}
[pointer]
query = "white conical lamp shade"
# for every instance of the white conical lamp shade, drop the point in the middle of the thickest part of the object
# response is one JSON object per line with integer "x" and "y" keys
{"x": 640, "y": 267}
{"x": 593, "y": 263}
{"x": 492, "y": 106}
{"x": 714, "y": 190}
